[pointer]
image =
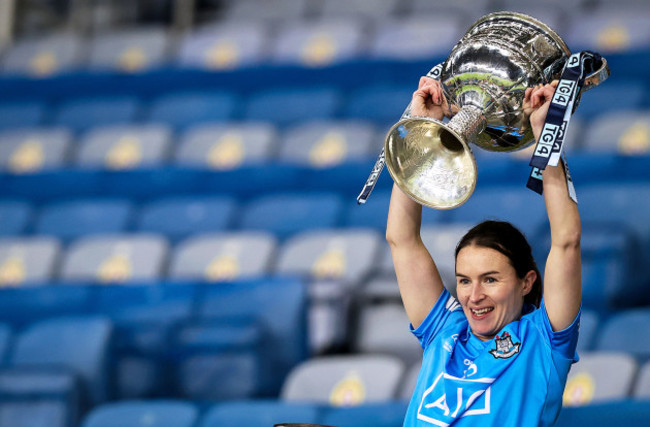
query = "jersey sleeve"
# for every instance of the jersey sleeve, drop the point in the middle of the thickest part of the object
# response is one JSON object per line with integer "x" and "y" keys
{"x": 562, "y": 342}
{"x": 446, "y": 310}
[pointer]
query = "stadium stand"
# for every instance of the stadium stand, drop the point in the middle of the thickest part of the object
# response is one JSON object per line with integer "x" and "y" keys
{"x": 180, "y": 240}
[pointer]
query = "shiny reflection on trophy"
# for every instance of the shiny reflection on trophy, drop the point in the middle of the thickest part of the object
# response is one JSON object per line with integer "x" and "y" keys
{"x": 484, "y": 78}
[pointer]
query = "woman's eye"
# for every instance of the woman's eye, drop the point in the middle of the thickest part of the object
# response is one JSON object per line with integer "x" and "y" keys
{"x": 463, "y": 281}
{"x": 490, "y": 279}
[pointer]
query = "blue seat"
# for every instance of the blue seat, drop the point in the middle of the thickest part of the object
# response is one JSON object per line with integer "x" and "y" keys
{"x": 320, "y": 43}
{"x": 129, "y": 50}
{"x": 218, "y": 359}
{"x": 185, "y": 109}
{"x": 611, "y": 29}
{"x": 143, "y": 317}
{"x": 15, "y": 217}
{"x": 149, "y": 413}
{"x": 285, "y": 214}
{"x": 612, "y": 97}
{"x": 373, "y": 213}
{"x": 180, "y": 217}
{"x": 224, "y": 46}
{"x": 286, "y": 106}
{"x": 77, "y": 344}
{"x": 633, "y": 413}
{"x": 28, "y": 260}
{"x": 26, "y": 305}
{"x": 277, "y": 303}
{"x": 73, "y": 219}
{"x": 626, "y": 330}
{"x": 45, "y": 55}
{"x": 6, "y": 335}
{"x": 516, "y": 204}
{"x": 22, "y": 114}
{"x": 260, "y": 413}
{"x": 589, "y": 326}
{"x": 626, "y": 132}
{"x": 39, "y": 397}
{"x": 82, "y": 114}
{"x": 383, "y": 104}
{"x": 390, "y": 414}
{"x": 31, "y": 150}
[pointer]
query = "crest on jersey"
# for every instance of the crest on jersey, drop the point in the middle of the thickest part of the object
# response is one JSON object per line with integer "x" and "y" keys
{"x": 505, "y": 347}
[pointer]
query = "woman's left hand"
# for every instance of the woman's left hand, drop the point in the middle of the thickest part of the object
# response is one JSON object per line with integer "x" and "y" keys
{"x": 536, "y": 103}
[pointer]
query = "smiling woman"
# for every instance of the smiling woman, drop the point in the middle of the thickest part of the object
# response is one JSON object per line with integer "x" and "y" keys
{"x": 500, "y": 353}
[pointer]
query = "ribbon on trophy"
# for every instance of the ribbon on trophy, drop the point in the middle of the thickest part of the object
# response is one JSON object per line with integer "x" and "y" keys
{"x": 434, "y": 73}
{"x": 548, "y": 150}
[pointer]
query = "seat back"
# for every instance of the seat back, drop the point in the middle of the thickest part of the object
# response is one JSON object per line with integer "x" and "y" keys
{"x": 161, "y": 413}
{"x": 34, "y": 150}
{"x": 28, "y": 260}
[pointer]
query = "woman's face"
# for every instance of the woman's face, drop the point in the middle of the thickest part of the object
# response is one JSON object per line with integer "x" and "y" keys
{"x": 489, "y": 290}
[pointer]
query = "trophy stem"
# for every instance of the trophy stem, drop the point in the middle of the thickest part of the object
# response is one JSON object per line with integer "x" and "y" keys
{"x": 467, "y": 123}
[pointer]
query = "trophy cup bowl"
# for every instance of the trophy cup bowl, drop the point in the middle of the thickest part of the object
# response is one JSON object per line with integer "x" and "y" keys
{"x": 484, "y": 78}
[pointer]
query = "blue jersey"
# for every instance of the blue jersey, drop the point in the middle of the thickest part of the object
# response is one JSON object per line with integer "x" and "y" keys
{"x": 515, "y": 379}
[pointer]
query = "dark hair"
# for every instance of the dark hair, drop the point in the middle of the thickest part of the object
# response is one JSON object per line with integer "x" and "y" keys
{"x": 507, "y": 239}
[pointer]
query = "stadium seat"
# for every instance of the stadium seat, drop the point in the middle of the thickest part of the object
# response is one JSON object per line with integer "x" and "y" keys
{"x": 600, "y": 377}
{"x": 22, "y": 306}
{"x": 259, "y": 413}
{"x": 180, "y": 217}
{"x": 34, "y": 150}
{"x": 323, "y": 144}
{"x": 273, "y": 11}
{"x": 144, "y": 317}
{"x": 389, "y": 414}
{"x": 633, "y": 413}
{"x": 523, "y": 208}
{"x": 288, "y": 106}
{"x": 421, "y": 37}
{"x": 149, "y": 413}
{"x": 122, "y": 147}
{"x": 226, "y": 146}
{"x": 609, "y": 30}
{"x": 22, "y": 114}
{"x": 181, "y": 110}
{"x": 77, "y": 345}
{"x": 344, "y": 254}
{"x": 225, "y": 46}
{"x": 625, "y": 330}
{"x": 358, "y": 9}
{"x": 28, "y": 260}
{"x": 15, "y": 217}
{"x": 218, "y": 359}
{"x": 642, "y": 385}
{"x": 409, "y": 381}
{"x": 612, "y": 97}
{"x": 45, "y": 55}
{"x": 115, "y": 258}
{"x": 6, "y": 336}
{"x": 373, "y": 213}
{"x": 73, "y": 219}
{"x": 39, "y": 397}
{"x": 555, "y": 17}
{"x": 82, "y": 114}
{"x": 467, "y": 10}
{"x": 589, "y": 329}
{"x": 129, "y": 50}
{"x": 319, "y": 43}
{"x": 625, "y": 132}
{"x": 383, "y": 328}
{"x": 279, "y": 304}
{"x": 382, "y": 105}
{"x": 344, "y": 380}
{"x": 329, "y": 316}
{"x": 218, "y": 257}
{"x": 286, "y": 214}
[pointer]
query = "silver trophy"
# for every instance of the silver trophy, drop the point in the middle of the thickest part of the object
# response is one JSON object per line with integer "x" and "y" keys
{"x": 484, "y": 79}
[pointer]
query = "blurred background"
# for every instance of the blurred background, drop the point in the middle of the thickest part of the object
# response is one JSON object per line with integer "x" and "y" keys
{"x": 180, "y": 243}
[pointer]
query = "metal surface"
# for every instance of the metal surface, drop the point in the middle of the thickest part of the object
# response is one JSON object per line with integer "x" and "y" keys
{"x": 485, "y": 77}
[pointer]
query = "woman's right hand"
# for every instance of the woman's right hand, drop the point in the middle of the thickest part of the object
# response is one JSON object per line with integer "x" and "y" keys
{"x": 428, "y": 100}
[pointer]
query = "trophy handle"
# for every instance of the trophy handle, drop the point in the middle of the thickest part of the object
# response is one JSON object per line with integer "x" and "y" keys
{"x": 597, "y": 77}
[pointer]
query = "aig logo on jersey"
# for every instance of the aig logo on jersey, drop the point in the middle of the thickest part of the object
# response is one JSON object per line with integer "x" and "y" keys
{"x": 450, "y": 398}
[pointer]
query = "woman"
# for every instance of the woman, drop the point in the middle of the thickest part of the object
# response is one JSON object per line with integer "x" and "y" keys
{"x": 496, "y": 355}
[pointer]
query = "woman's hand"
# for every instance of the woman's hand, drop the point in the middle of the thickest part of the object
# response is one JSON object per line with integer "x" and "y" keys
{"x": 429, "y": 100}
{"x": 536, "y": 102}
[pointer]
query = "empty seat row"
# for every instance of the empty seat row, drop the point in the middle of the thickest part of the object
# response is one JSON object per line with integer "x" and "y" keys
{"x": 245, "y": 41}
